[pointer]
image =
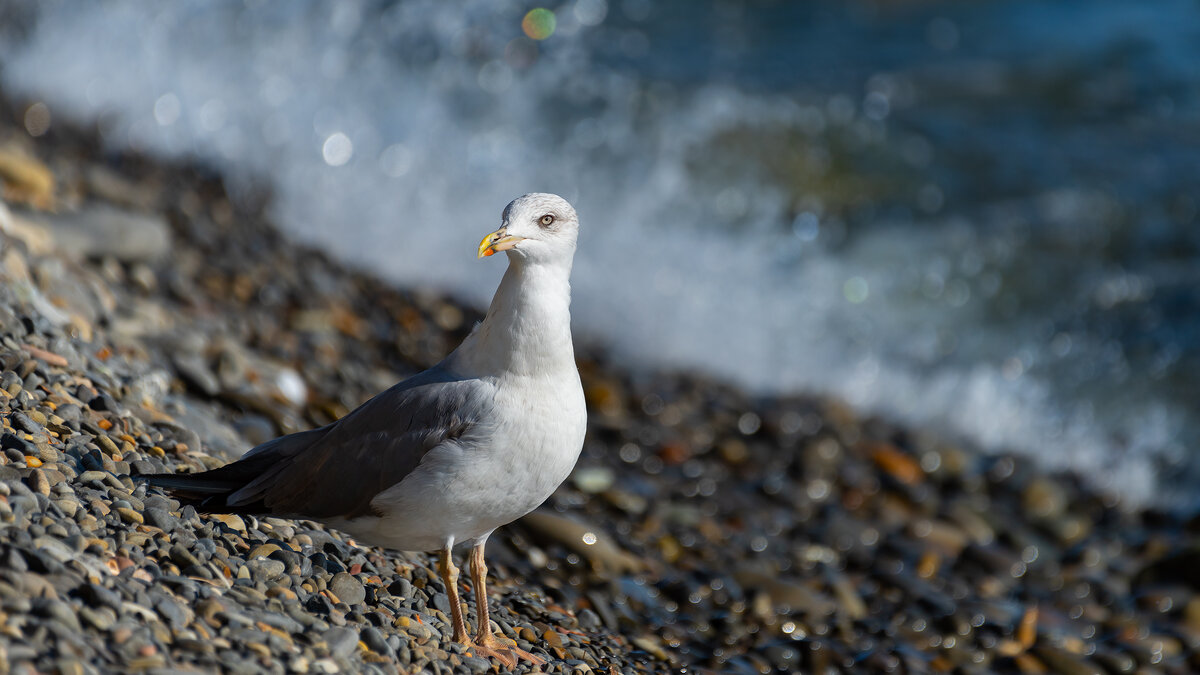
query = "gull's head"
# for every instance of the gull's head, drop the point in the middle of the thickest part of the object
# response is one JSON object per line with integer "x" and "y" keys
{"x": 537, "y": 227}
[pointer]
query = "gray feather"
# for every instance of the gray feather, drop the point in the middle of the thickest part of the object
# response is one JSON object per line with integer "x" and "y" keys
{"x": 336, "y": 470}
{"x": 367, "y": 451}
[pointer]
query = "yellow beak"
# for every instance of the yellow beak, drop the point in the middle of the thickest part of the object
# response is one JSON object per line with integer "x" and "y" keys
{"x": 498, "y": 241}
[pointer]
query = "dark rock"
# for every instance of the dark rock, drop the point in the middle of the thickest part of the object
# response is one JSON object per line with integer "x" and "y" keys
{"x": 1176, "y": 567}
{"x": 318, "y": 604}
{"x": 22, "y": 421}
{"x": 104, "y": 403}
{"x": 374, "y": 641}
{"x": 327, "y": 563}
{"x": 401, "y": 588}
{"x": 10, "y": 441}
{"x": 294, "y": 562}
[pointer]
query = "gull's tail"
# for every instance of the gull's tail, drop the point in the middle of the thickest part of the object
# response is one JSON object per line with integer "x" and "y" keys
{"x": 224, "y": 489}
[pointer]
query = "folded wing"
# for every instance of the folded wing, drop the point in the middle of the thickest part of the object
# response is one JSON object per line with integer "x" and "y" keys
{"x": 336, "y": 470}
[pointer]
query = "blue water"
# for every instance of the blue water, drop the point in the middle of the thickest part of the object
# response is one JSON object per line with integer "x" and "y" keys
{"x": 980, "y": 217}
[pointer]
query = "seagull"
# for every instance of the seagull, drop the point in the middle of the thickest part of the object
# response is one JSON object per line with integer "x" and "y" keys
{"x": 450, "y": 454}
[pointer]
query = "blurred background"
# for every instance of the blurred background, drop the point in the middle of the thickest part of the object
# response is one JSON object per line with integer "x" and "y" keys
{"x": 978, "y": 217}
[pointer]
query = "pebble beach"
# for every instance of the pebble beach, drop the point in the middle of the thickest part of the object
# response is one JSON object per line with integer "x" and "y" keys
{"x": 150, "y": 323}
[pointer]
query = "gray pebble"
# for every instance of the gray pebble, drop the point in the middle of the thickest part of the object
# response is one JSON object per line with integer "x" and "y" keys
{"x": 58, "y": 611}
{"x": 183, "y": 557}
{"x": 283, "y": 622}
{"x": 195, "y": 371}
{"x": 589, "y": 620}
{"x": 348, "y": 589}
{"x": 341, "y": 641}
{"x": 176, "y": 615}
{"x": 160, "y": 518}
{"x": 476, "y": 664}
{"x": 22, "y": 421}
{"x": 54, "y": 548}
{"x": 102, "y": 618}
{"x": 441, "y": 602}
{"x": 401, "y": 588}
{"x": 265, "y": 569}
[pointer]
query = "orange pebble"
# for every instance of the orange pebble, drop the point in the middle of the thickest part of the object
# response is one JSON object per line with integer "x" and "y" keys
{"x": 900, "y": 466}
{"x": 1027, "y": 630}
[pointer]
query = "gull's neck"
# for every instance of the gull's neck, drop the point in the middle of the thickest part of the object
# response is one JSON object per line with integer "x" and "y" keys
{"x": 527, "y": 330}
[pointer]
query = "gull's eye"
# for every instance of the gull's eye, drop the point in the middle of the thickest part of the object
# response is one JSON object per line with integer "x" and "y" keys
{"x": 546, "y": 220}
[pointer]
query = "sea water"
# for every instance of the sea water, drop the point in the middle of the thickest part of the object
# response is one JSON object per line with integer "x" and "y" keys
{"x": 980, "y": 217}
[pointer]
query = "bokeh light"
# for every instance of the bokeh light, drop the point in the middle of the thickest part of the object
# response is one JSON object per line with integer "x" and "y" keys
{"x": 37, "y": 119}
{"x": 539, "y": 23}
{"x": 337, "y": 149}
{"x": 856, "y": 290}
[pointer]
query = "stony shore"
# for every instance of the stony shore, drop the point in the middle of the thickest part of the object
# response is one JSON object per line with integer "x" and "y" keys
{"x": 150, "y": 323}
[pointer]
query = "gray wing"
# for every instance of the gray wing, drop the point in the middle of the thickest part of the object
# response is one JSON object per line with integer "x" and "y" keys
{"x": 337, "y": 470}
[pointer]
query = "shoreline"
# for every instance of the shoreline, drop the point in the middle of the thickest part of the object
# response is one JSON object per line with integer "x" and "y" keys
{"x": 734, "y": 533}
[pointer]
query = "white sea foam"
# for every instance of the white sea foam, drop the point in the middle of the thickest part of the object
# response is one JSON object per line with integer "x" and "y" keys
{"x": 397, "y": 158}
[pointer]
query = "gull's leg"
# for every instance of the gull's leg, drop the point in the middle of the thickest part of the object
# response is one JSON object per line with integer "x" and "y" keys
{"x": 484, "y": 637}
{"x": 450, "y": 579}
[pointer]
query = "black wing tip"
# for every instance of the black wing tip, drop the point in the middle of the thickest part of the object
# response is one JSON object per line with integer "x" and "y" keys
{"x": 191, "y": 482}
{"x": 203, "y": 493}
